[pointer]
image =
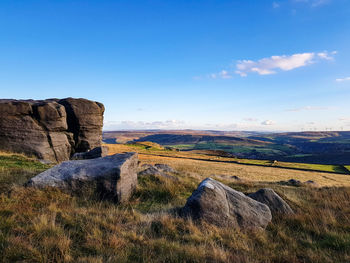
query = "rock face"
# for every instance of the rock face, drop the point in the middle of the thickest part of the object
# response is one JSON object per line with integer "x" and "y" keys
{"x": 219, "y": 204}
{"x": 113, "y": 176}
{"x": 97, "y": 152}
{"x": 276, "y": 204}
{"x": 50, "y": 129}
{"x": 85, "y": 121}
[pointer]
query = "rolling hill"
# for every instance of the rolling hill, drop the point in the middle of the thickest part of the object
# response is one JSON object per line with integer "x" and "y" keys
{"x": 309, "y": 147}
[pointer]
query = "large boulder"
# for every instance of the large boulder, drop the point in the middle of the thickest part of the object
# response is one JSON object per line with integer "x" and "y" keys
{"x": 219, "y": 204}
{"x": 50, "y": 129}
{"x": 113, "y": 177}
{"x": 269, "y": 197}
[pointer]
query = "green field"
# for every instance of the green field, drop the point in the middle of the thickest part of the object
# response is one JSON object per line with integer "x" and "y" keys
{"x": 231, "y": 148}
{"x": 303, "y": 166}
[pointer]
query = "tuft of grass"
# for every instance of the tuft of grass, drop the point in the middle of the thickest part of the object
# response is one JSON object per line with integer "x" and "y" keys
{"x": 16, "y": 169}
{"x": 155, "y": 193}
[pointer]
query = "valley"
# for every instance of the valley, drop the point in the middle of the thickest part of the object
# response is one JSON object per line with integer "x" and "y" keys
{"x": 301, "y": 147}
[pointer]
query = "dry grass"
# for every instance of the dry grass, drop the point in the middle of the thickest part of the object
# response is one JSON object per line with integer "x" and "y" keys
{"x": 51, "y": 226}
{"x": 226, "y": 170}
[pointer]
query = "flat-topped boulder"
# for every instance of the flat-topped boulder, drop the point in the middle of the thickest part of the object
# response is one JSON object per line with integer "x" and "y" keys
{"x": 51, "y": 129}
{"x": 221, "y": 205}
{"x": 113, "y": 177}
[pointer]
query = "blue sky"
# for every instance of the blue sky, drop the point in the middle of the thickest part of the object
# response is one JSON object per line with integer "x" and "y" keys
{"x": 225, "y": 65}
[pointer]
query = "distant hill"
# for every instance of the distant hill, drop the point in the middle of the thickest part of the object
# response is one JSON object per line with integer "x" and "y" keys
{"x": 125, "y": 136}
{"x": 311, "y": 147}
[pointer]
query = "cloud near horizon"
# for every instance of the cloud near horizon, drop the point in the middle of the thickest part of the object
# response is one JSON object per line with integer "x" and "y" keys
{"x": 309, "y": 108}
{"x": 270, "y": 65}
{"x": 268, "y": 122}
{"x": 342, "y": 79}
{"x": 164, "y": 125}
{"x": 248, "y": 124}
{"x": 250, "y": 119}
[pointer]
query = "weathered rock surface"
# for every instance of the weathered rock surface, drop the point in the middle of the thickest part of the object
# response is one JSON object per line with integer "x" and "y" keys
{"x": 113, "y": 176}
{"x": 270, "y": 198}
{"x": 85, "y": 121}
{"x": 50, "y": 129}
{"x": 97, "y": 152}
{"x": 162, "y": 170}
{"x": 219, "y": 204}
{"x": 150, "y": 171}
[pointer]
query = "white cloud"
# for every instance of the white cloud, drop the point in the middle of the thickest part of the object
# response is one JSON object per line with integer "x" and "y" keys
{"x": 268, "y": 122}
{"x": 342, "y": 79}
{"x": 250, "y": 119}
{"x": 270, "y": 65}
{"x": 327, "y": 55}
{"x": 223, "y": 74}
{"x": 344, "y": 119}
{"x": 308, "y": 108}
{"x": 169, "y": 124}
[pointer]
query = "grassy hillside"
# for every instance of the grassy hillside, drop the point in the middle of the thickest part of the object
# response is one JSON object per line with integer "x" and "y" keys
{"x": 211, "y": 156}
{"x": 51, "y": 226}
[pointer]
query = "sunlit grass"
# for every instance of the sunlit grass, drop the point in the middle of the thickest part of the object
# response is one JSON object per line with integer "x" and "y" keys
{"x": 252, "y": 170}
{"x": 52, "y": 226}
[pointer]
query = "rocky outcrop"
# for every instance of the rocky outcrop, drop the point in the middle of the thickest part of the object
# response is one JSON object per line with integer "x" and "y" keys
{"x": 85, "y": 121}
{"x": 219, "y": 204}
{"x": 113, "y": 177}
{"x": 269, "y": 197}
{"x": 97, "y": 152}
{"x": 50, "y": 129}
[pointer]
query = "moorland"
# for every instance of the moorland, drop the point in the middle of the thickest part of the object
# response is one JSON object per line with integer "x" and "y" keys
{"x": 47, "y": 225}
